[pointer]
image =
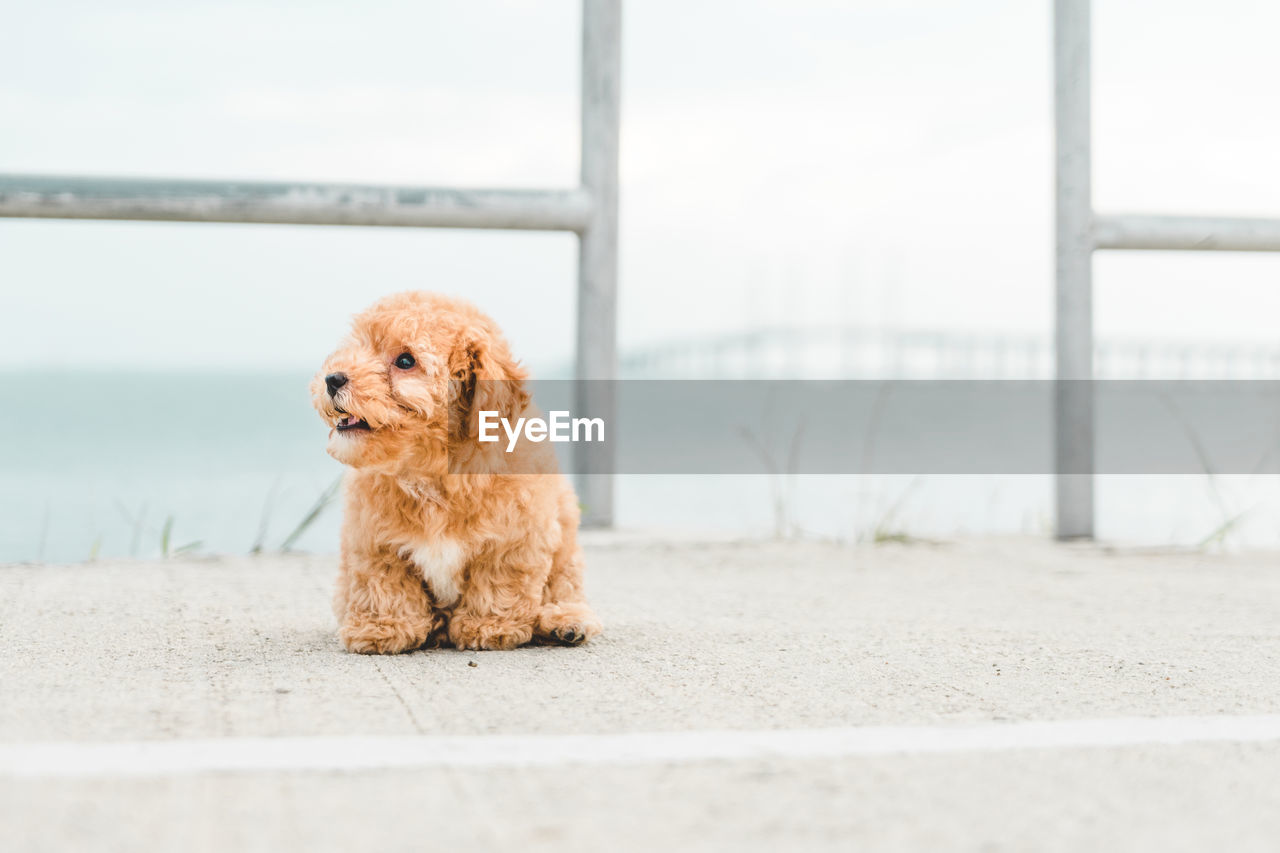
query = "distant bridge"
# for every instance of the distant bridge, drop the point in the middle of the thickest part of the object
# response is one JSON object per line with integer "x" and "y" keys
{"x": 839, "y": 352}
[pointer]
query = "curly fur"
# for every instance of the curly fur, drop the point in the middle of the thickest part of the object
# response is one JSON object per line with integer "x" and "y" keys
{"x": 446, "y": 539}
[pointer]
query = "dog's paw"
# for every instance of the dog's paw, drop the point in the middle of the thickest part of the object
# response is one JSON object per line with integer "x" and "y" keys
{"x": 567, "y": 625}
{"x": 569, "y": 635}
{"x": 383, "y": 637}
{"x": 490, "y": 634}
{"x": 378, "y": 646}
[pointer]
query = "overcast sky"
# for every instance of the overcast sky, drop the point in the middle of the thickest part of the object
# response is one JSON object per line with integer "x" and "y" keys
{"x": 885, "y": 162}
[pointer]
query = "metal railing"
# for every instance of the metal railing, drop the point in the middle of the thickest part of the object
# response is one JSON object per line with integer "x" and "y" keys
{"x": 1079, "y": 232}
{"x": 870, "y": 353}
{"x": 590, "y": 211}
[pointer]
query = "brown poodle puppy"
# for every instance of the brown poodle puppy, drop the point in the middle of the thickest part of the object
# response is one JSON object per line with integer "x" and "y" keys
{"x": 445, "y": 538}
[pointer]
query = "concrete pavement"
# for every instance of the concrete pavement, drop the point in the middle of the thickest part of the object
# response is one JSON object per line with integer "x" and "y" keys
{"x": 747, "y": 636}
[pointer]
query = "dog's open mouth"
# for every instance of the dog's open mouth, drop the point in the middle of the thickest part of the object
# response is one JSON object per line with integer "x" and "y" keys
{"x": 351, "y": 422}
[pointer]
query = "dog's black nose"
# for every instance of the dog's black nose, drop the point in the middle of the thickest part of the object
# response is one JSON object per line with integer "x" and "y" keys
{"x": 335, "y": 381}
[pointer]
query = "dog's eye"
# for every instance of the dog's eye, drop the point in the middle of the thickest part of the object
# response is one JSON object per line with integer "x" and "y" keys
{"x": 404, "y": 361}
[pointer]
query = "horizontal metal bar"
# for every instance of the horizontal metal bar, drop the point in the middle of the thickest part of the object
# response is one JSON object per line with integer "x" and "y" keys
{"x": 62, "y": 197}
{"x": 1186, "y": 233}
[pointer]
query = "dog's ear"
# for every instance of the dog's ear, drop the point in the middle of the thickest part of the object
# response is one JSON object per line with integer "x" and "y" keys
{"x": 484, "y": 378}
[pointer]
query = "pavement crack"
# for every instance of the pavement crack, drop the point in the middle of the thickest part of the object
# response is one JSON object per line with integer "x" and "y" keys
{"x": 413, "y": 718}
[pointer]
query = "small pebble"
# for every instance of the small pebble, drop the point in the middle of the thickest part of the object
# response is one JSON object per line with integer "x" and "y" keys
{"x": 472, "y": 663}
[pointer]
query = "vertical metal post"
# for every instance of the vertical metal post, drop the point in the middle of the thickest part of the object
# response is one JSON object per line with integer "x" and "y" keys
{"x": 1073, "y": 393}
{"x": 597, "y": 357}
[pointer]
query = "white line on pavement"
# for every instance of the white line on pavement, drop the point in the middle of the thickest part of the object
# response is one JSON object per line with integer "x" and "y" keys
{"x": 291, "y": 754}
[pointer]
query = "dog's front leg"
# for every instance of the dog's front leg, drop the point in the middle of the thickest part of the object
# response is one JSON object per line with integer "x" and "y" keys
{"x": 501, "y": 600}
{"x": 381, "y": 604}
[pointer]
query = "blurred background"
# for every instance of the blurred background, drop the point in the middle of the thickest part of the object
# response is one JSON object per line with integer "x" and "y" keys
{"x": 809, "y": 188}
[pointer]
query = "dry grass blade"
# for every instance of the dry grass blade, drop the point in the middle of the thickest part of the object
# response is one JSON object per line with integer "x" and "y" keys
{"x": 321, "y": 504}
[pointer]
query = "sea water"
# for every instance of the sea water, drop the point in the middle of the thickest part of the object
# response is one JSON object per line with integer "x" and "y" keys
{"x": 99, "y": 464}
